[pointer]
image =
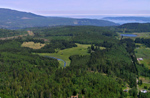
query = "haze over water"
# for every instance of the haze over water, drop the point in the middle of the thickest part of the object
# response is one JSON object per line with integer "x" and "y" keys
{"x": 103, "y": 16}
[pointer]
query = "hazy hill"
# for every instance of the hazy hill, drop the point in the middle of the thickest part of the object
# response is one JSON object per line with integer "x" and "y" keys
{"x": 132, "y": 19}
{"x": 13, "y": 19}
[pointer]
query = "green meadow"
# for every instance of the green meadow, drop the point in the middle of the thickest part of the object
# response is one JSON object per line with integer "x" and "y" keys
{"x": 143, "y": 34}
{"x": 144, "y": 79}
{"x": 146, "y": 82}
{"x": 144, "y": 53}
{"x": 81, "y": 49}
{"x": 143, "y": 85}
{"x": 61, "y": 63}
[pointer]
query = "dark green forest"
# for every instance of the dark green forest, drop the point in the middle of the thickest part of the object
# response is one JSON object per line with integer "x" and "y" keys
{"x": 4, "y": 33}
{"x": 26, "y": 75}
{"x": 78, "y": 34}
{"x": 145, "y": 41}
{"x": 133, "y": 27}
{"x": 101, "y": 74}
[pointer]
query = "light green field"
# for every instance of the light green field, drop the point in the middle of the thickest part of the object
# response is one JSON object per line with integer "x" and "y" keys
{"x": 139, "y": 35}
{"x": 144, "y": 84}
{"x": 144, "y": 79}
{"x": 143, "y": 34}
{"x": 144, "y": 53}
{"x": 81, "y": 49}
{"x": 61, "y": 63}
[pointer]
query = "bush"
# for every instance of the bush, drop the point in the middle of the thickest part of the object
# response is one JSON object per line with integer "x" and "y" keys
{"x": 145, "y": 87}
{"x": 133, "y": 92}
{"x": 140, "y": 82}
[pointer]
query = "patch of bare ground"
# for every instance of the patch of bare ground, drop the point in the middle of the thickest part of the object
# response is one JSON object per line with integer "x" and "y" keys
{"x": 30, "y": 33}
{"x": 33, "y": 45}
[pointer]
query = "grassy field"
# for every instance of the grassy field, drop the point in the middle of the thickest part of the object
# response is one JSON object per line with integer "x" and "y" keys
{"x": 144, "y": 53}
{"x": 146, "y": 82}
{"x": 144, "y": 79}
{"x": 61, "y": 63}
{"x": 81, "y": 49}
{"x": 142, "y": 86}
{"x": 143, "y": 34}
{"x": 32, "y": 45}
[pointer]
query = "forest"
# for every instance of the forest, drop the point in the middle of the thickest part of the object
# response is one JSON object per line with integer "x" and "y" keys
{"x": 77, "y": 34}
{"x": 133, "y": 27}
{"x": 145, "y": 41}
{"x": 4, "y": 33}
{"x": 101, "y": 74}
{"x": 26, "y": 75}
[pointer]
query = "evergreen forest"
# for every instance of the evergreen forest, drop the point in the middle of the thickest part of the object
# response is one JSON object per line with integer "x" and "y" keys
{"x": 103, "y": 73}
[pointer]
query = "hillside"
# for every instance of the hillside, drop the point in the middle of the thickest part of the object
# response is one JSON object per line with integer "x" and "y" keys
{"x": 12, "y": 19}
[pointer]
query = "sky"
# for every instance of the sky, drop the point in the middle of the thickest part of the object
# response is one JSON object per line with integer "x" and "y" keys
{"x": 80, "y": 7}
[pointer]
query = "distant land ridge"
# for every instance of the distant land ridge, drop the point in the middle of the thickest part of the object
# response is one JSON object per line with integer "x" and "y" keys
{"x": 12, "y": 19}
{"x": 128, "y": 19}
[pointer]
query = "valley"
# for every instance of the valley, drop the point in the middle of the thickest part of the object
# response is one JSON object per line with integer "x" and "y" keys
{"x": 74, "y": 49}
{"x": 84, "y": 61}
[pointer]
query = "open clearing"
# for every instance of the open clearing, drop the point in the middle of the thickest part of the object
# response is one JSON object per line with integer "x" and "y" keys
{"x": 144, "y": 79}
{"x": 143, "y": 52}
{"x": 143, "y": 34}
{"x": 32, "y": 45}
{"x": 81, "y": 49}
{"x": 30, "y": 33}
{"x": 61, "y": 63}
{"x": 144, "y": 84}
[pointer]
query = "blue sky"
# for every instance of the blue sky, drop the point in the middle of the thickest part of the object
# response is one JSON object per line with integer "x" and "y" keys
{"x": 80, "y": 7}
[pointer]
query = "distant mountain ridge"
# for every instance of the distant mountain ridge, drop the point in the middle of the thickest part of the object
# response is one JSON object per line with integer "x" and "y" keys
{"x": 12, "y": 19}
{"x": 131, "y": 19}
